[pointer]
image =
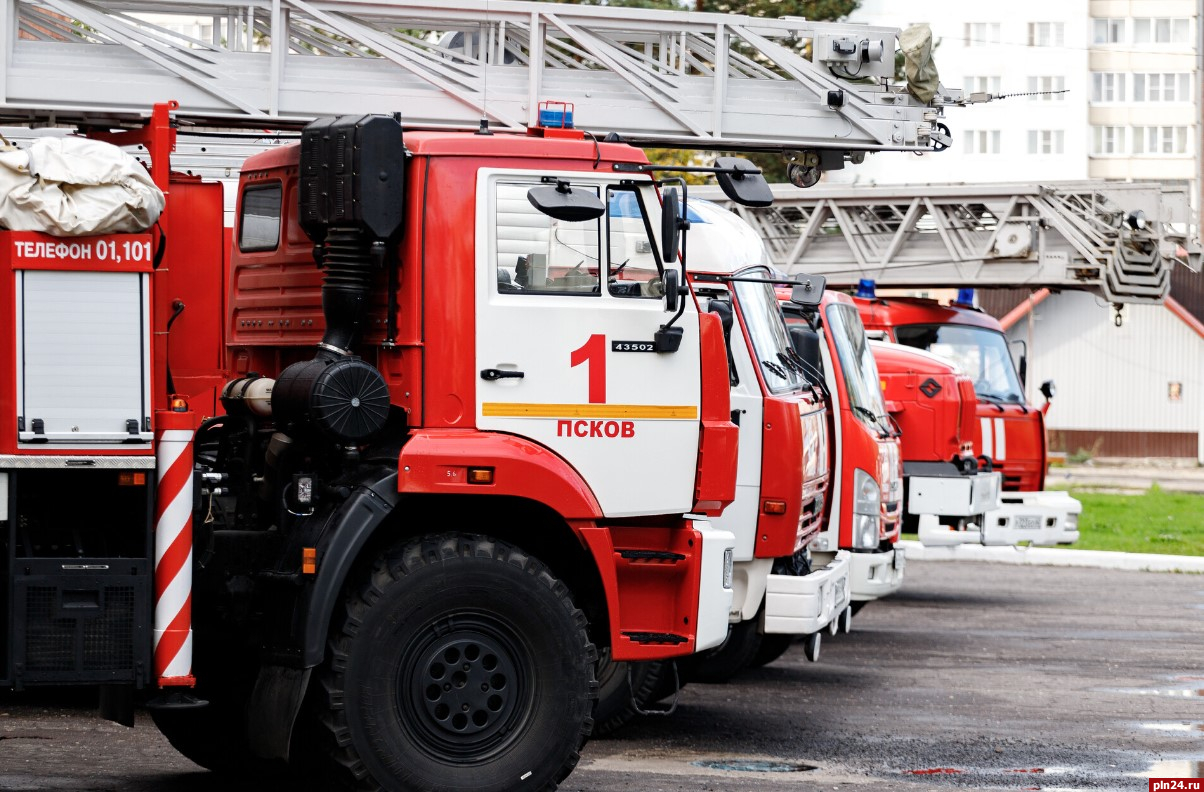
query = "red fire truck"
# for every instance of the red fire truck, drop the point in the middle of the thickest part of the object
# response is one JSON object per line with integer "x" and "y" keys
{"x": 1012, "y": 432}
{"x": 866, "y": 505}
{"x": 933, "y": 405}
{"x": 389, "y": 497}
{"x": 783, "y": 480}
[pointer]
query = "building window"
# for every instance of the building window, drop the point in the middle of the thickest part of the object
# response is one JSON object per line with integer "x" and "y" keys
{"x": 1046, "y": 141}
{"x": 1107, "y": 87}
{"x": 982, "y": 33}
{"x": 1161, "y": 30}
{"x": 1162, "y": 87}
{"x": 1160, "y": 140}
{"x": 1046, "y": 89}
{"x": 1046, "y": 34}
{"x": 1109, "y": 140}
{"x": 1108, "y": 31}
{"x": 982, "y": 141}
{"x": 982, "y": 85}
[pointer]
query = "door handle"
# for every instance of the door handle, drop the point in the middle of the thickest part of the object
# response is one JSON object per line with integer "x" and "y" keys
{"x": 497, "y": 374}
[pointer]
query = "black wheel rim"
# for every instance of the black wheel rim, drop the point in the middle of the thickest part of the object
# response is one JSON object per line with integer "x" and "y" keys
{"x": 465, "y": 690}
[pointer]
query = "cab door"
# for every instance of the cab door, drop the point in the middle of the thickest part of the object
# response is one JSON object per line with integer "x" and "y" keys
{"x": 566, "y": 315}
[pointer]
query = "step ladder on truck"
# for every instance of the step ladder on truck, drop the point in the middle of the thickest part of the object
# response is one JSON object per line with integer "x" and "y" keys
{"x": 291, "y": 456}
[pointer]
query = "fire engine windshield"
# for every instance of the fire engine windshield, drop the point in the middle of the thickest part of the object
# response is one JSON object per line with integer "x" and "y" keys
{"x": 767, "y": 330}
{"x": 981, "y": 353}
{"x": 856, "y": 364}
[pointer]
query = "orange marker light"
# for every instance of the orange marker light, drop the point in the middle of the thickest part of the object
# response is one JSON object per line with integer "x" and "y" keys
{"x": 179, "y": 405}
{"x": 131, "y": 479}
{"x": 774, "y": 507}
{"x": 309, "y": 560}
{"x": 480, "y": 475}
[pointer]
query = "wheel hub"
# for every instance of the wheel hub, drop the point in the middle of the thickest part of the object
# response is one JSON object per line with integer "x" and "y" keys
{"x": 467, "y": 684}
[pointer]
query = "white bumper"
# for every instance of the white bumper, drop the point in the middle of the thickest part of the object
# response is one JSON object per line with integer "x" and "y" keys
{"x": 1039, "y": 518}
{"x": 875, "y": 575}
{"x": 1042, "y": 518}
{"x": 714, "y": 586}
{"x": 803, "y": 605}
{"x": 953, "y": 496}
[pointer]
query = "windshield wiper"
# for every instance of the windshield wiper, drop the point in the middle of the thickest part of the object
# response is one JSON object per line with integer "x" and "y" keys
{"x": 814, "y": 376}
{"x": 873, "y": 416}
{"x": 776, "y": 369}
{"x": 993, "y": 399}
{"x": 789, "y": 363}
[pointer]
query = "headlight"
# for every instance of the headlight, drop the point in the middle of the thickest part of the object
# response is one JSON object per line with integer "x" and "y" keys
{"x": 1072, "y": 522}
{"x": 890, "y": 471}
{"x": 867, "y": 497}
{"x": 865, "y": 531}
{"x": 728, "y": 568}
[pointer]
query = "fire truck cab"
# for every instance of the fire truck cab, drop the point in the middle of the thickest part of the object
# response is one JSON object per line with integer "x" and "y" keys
{"x": 933, "y": 405}
{"x": 783, "y": 478}
{"x": 1012, "y": 432}
{"x": 866, "y": 504}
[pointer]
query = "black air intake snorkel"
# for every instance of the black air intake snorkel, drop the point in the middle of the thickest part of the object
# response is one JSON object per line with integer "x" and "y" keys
{"x": 351, "y": 199}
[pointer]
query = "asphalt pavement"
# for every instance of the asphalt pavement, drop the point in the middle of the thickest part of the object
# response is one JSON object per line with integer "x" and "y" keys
{"x": 975, "y": 676}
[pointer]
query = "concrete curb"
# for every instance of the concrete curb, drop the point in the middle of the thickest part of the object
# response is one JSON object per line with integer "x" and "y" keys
{"x": 1051, "y": 556}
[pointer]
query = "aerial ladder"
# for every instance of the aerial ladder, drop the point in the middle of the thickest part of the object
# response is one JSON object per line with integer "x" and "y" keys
{"x": 707, "y": 81}
{"x": 1118, "y": 240}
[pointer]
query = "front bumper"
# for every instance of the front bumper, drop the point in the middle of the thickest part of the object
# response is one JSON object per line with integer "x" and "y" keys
{"x": 954, "y": 496}
{"x": 802, "y": 605}
{"x": 714, "y": 586}
{"x": 875, "y": 575}
{"x": 1039, "y": 518}
{"x": 1048, "y": 517}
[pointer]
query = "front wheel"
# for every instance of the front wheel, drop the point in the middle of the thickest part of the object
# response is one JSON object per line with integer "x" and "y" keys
{"x": 461, "y": 663}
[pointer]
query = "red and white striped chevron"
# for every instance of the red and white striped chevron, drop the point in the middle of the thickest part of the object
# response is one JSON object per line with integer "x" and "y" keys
{"x": 173, "y": 550}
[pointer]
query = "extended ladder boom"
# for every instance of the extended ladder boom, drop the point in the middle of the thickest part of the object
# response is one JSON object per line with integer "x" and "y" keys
{"x": 713, "y": 81}
{"x": 1119, "y": 240}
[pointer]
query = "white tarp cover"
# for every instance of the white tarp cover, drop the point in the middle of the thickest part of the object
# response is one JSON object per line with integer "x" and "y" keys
{"x": 922, "y": 78}
{"x": 73, "y": 186}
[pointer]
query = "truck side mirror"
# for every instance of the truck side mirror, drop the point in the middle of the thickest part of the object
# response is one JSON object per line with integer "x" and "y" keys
{"x": 670, "y": 228}
{"x": 1048, "y": 390}
{"x": 672, "y": 281}
{"x": 563, "y": 203}
{"x": 1022, "y": 363}
{"x": 809, "y": 291}
{"x": 743, "y": 182}
{"x": 805, "y": 342}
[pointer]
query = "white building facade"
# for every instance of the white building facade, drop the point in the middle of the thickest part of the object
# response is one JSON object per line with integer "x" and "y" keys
{"x": 1132, "y": 390}
{"x": 1115, "y": 90}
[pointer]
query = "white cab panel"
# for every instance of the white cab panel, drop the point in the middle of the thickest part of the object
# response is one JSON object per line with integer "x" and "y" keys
{"x": 627, "y": 421}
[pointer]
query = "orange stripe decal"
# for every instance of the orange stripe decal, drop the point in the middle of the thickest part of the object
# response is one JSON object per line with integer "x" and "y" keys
{"x": 681, "y": 412}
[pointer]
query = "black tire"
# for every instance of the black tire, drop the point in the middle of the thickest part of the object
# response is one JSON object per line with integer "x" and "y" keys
{"x": 461, "y": 663}
{"x": 858, "y": 605}
{"x": 733, "y": 656}
{"x": 772, "y": 647}
{"x": 622, "y": 688}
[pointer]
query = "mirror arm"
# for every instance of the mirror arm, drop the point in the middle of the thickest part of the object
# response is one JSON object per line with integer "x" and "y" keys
{"x": 640, "y": 167}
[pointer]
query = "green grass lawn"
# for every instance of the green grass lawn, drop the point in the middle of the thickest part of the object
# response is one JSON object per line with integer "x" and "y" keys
{"x": 1154, "y": 521}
